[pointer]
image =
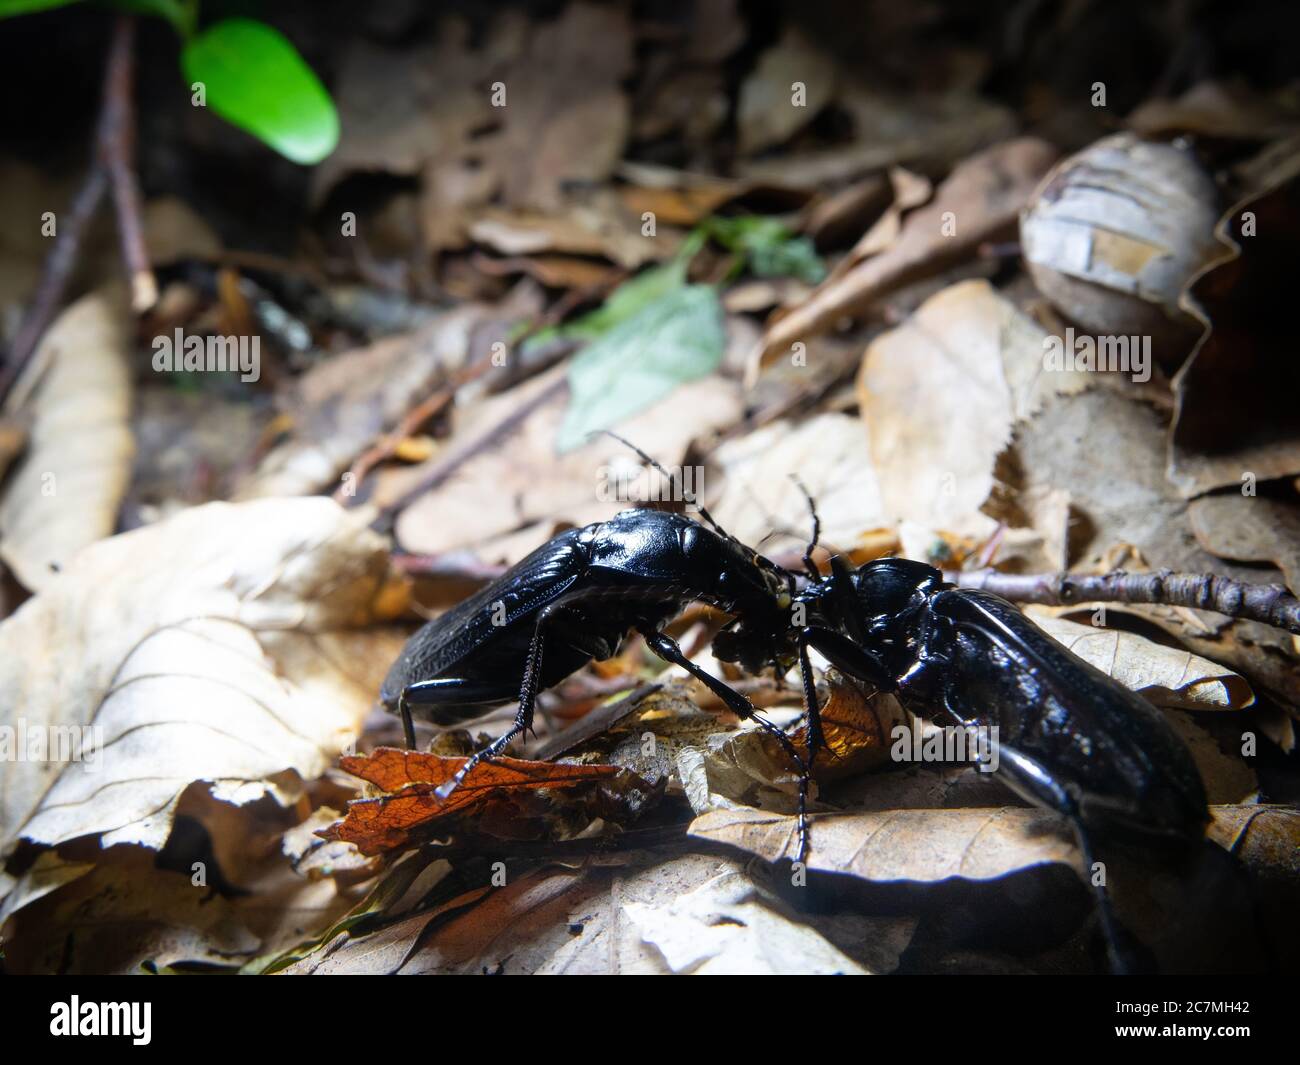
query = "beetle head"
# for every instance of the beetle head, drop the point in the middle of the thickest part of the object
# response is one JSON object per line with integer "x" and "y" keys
{"x": 891, "y": 585}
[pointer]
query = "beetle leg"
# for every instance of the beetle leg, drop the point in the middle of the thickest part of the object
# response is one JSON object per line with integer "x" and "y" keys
{"x": 848, "y": 657}
{"x": 1031, "y": 780}
{"x": 524, "y": 717}
{"x": 408, "y": 726}
{"x": 667, "y": 648}
{"x": 812, "y": 709}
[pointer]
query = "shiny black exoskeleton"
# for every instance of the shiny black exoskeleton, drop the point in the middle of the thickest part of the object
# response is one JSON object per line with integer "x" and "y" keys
{"x": 1069, "y": 737}
{"x": 575, "y": 599}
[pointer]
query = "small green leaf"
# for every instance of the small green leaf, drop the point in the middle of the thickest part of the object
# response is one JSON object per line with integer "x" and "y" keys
{"x": 674, "y": 338}
{"x": 769, "y": 248}
{"x": 256, "y": 80}
{"x": 11, "y": 8}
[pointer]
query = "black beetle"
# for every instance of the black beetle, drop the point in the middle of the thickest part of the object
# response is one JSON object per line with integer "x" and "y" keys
{"x": 574, "y": 599}
{"x": 1070, "y": 738}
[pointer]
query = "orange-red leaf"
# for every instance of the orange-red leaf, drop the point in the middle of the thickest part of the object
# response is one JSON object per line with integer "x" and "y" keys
{"x": 411, "y": 777}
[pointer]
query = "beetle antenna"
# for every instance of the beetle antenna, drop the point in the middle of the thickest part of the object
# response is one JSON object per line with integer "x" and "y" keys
{"x": 813, "y": 572}
{"x": 677, "y": 490}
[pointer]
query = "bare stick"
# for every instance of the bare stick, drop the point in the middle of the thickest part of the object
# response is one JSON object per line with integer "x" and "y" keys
{"x": 117, "y": 151}
{"x": 54, "y": 276}
{"x": 110, "y": 163}
{"x": 1271, "y": 604}
{"x": 416, "y": 417}
{"x": 486, "y": 441}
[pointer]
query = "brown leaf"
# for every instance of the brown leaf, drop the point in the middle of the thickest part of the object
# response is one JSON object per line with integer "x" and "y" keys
{"x": 983, "y": 195}
{"x": 921, "y": 845}
{"x": 524, "y": 485}
{"x": 566, "y": 113}
{"x": 967, "y": 360}
{"x": 766, "y": 114}
{"x": 411, "y": 808}
{"x": 341, "y": 406}
{"x": 1168, "y": 676}
{"x": 856, "y": 725}
{"x": 1250, "y": 529}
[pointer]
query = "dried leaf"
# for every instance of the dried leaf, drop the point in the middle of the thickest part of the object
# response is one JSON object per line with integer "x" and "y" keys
{"x": 344, "y": 405}
{"x": 64, "y": 492}
{"x": 967, "y": 360}
{"x": 1168, "y": 676}
{"x": 565, "y": 109}
{"x": 767, "y": 113}
{"x": 760, "y": 503}
{"x": 525, "y": 485}
{"x": 920, "y": 845}
{"x": 411, "y": 808}
{"x": 729, "y": 926}
{"x": 1250, "y": 529}
{"x": 981, "y": 198}
{"x": 213, "y": 646}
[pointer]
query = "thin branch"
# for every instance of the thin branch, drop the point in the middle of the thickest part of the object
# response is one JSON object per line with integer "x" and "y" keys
{"x": 117, "y": 152}
{"x": 492, "y": 437}
{"x": 58, "y": 268}
{"x": 408, "y": 426}
{"x": 110, "y": 166}
{"x": 1271, "y": 604}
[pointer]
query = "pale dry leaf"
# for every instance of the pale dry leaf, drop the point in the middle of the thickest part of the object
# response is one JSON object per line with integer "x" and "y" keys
{"x": 920, "y": 845}
{"x": 213, "y": 646}
{"x": 64, "y": 491}
{"x": 829, "y": 455}
{"x": 1168, "y": 676}
{"x": 48, "y": 873}
{"x": 729, "y": 926}
{"x": 523, "y": 481}
{"x": 939, "y": 395}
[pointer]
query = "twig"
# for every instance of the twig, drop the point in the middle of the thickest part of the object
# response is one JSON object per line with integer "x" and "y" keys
{"x": 414, "y": 418}
{"x": 117, "y": 150}
{"x": 54, "y": 276}
{"x": 110, "y": 164}
{"x": 492, "y": 437}
{"x": 1271, "y": 604}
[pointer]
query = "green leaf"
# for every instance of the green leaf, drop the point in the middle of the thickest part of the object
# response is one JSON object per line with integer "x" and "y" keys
{"x": 256, "y": 80}
{"x": 12, "y": 8}
{"x": 674, "y": 338}
{"x": 631, "y": 296}
{"x": 769, "y": 248}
